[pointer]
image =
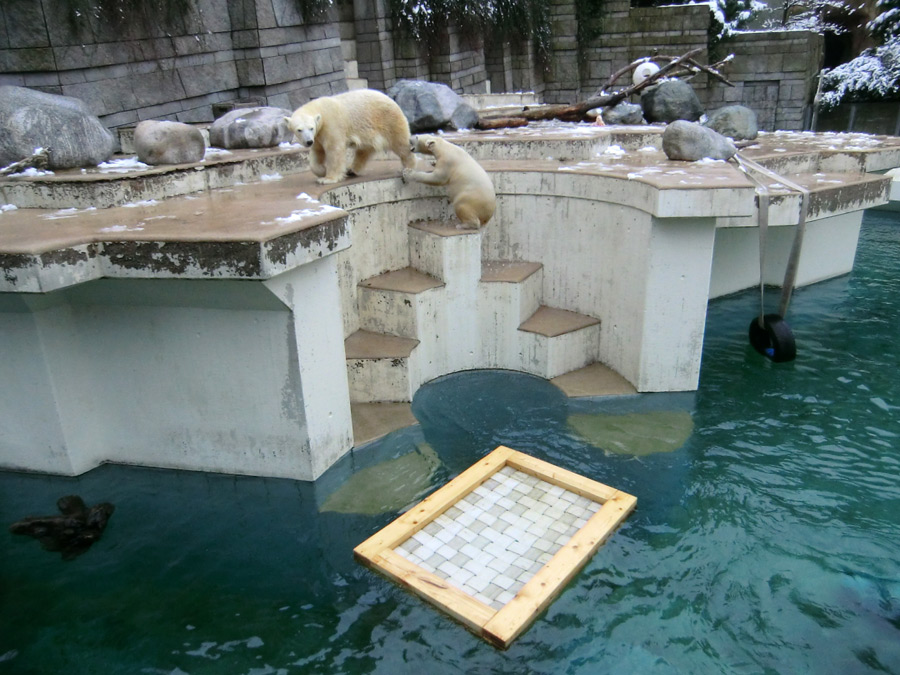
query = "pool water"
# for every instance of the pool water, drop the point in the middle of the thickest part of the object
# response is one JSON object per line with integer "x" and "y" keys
{"x": 766, "y": 537}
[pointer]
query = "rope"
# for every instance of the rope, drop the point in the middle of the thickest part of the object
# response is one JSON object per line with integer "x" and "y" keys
{"x": 790, "y": 275}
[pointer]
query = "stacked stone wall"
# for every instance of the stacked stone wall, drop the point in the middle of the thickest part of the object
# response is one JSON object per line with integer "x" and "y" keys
{"x": 222, "y": 51}
{"x": 218, "y": 51}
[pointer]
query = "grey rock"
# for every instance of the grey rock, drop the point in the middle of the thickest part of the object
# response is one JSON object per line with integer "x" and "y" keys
{"x": 737, "y": 122}
{"x": 31, "y": 119}
{"x": 623, "y": 113}
{"x": 262, "y": 127}
{"x": 429, "y": 106}
{"x": 669, "y": 101}
{"x": 690, "y": 141}
{"x": 161, "y": 142}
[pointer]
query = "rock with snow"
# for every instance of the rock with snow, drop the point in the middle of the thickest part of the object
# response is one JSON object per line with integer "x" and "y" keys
{"x": 161, "y": 142}
{"x": 261, "y": 127}
{"x": 737, "y": 122}
{"x": 669, "y": 101}
{"x": 429, "y": 106}
{"x": 31, "y": 119}
{"x": 624, "y": 113}
{"x": 690, "y": 141}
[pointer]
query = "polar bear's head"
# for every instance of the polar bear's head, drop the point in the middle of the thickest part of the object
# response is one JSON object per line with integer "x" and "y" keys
{"x": 304, "y": 126}
{"x": 423, "y": 144}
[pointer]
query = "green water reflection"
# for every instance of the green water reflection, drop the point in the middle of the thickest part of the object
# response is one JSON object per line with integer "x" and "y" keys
{"x": 766, "y": 538}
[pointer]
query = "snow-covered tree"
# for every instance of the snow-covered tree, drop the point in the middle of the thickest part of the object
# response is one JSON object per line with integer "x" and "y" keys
{"x": 873, "y": 75}
{"x": 731, "y": 16}
{"x": 887, "y": 24}
{"x": 820, "y": 16}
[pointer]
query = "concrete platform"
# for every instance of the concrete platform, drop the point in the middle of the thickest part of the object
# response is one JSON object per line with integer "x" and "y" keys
{"x": 212, "y": 323}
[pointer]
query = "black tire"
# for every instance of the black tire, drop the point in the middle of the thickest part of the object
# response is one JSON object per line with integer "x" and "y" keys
{"x": 773, "y": 339}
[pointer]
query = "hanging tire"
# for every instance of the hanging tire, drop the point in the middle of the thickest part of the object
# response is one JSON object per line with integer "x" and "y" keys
{"x": 773, "y": 339}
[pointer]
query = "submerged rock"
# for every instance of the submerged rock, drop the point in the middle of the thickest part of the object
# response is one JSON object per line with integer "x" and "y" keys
{"x": 635, "y": 434}
{"x": 71, "y": 533}
{"x": 429, "y": 106}
{"x": 161, "y": 142}
{"x": 669, "y": 101}
{"x": 690, "y": 142}
{"x": 386, "y": 487}
{"x": 737, "y": 122}
{"x": 31, "y": 119}
{"x": 262, "y": 127}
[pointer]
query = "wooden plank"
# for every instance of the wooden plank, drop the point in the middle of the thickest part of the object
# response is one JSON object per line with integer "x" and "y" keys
{"x": 565, "y": 479}
{"x": 433, "y": 505}
{"x": 455, "y": 602}
{"x": 534, "y": 597}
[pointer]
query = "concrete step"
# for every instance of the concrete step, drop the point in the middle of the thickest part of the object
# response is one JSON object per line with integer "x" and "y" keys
{"x": 397, "y": 302}
{"x": 509, "y": 292}
{"x": 378, "y": 367}
{"x": 556, "y": 341}
{"x": 445, "y": 251}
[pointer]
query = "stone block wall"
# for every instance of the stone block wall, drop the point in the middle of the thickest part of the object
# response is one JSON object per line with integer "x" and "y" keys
{"x": 170, "y": 67}
{"x": 775, "y": 74}
{"x": 183, "y": 65}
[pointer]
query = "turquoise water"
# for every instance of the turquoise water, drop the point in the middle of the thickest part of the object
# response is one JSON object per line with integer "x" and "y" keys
{"x": 766, "y": 537}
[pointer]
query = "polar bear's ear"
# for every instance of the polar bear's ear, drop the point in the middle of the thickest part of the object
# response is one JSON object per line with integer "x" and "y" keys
{"x": 430, "y": 144}
{"x": 318, "y": 119}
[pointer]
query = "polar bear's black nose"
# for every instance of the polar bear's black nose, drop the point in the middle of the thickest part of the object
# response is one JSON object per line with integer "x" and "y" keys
{"x": 309, "y": 144}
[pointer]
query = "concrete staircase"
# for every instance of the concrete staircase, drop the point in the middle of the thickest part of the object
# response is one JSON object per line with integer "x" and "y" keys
{"x": 418, "y": 323}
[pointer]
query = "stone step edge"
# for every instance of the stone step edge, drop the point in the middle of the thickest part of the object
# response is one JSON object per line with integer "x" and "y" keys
{"x": 368, "y": 345}
{"x": 440, "y": 228}
{"x": 508, "y": 271}
{"x": 404, "y": 280}
{"x": 553, "y": 322}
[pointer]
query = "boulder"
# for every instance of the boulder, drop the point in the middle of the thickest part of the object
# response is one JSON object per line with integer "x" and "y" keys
{"x": 31, "y": 119}
{"x": 161, "y": 142}
{"x": 430, "y": 106}
{"x": 690, "y": 141}
{"x": 737, "y": 122}
{"x": 624, "y": 113}
{"x": 261, "y": 127}
{"x": 669, "y": 101}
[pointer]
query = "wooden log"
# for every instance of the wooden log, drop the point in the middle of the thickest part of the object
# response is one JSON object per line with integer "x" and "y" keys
{"x": 576, "y": 111}
{"x": 500, "y": 123}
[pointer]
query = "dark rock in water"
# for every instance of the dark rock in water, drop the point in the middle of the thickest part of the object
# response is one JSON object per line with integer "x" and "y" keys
{"x": 737, "y": 122}
{"x": 262, "y": 127}
{"x": 669, "y": 101}
{"x": 690, "y": 141}
{"x": 31, "y": 119}
{"x": 624, "y": 113}
{"x": 71, "y": 533}
{"x": 429, "y": 106}
{"x": 161, "y": 142}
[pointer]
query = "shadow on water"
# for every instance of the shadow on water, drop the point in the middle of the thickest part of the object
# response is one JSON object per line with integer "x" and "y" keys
{"x": 766, "y": 537}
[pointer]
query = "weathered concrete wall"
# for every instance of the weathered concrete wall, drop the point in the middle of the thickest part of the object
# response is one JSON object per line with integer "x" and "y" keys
{"x": 219, "y": 51}
{"x": 773, "y": 73}
{"x": 178, "y": 68}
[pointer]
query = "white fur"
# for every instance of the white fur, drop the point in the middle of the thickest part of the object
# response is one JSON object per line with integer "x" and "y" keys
{"x": 469, "y": 187}
{"x": 363, "y": 120}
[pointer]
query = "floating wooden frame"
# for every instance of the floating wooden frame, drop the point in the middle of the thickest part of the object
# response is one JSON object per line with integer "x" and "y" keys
{"x": 494, "y": 546}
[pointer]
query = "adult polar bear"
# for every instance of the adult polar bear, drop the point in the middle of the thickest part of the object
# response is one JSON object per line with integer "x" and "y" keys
{"x": 363, "y": 119}
{"x": 468, "y": 184}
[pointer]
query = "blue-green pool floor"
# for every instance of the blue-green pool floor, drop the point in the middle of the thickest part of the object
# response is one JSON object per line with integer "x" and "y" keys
{"x": 766, "y": 537}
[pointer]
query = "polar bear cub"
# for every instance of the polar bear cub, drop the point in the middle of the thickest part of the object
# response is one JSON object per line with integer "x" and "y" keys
{"x": 363, "y": 120}
{"x": 468, "y": 184}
